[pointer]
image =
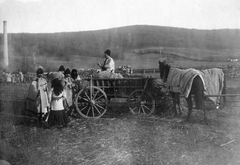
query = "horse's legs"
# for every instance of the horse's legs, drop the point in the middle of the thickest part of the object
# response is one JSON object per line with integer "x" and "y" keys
{"x": 204, "y": 110}
{"x": 178, "y": 103}
{"x": 174, "y": 103}
{"x": 199, "y": 95}
{"x": 202, "y": 107}
{"x": 190, "y": 104}
{"x": 197, "y": 102}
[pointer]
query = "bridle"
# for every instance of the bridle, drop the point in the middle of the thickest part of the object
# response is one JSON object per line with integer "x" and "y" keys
{"x": 164, "y": 75}
{"x": 164, "y": 78}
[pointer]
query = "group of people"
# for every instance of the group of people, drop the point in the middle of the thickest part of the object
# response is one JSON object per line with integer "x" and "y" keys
{"x": 14, "y": 77}
{"x": 54, "y": 105}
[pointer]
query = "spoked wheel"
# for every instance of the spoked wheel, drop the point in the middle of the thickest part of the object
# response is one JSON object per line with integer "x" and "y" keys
{"x": 141, "y": 101}
{"x": 91, "y": 102}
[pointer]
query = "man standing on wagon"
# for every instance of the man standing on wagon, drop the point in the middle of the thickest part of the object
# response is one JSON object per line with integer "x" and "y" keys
{"x": 108, "y": 64}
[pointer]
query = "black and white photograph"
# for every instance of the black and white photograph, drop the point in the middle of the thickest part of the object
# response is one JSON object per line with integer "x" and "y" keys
{"x": 119, "y": 82}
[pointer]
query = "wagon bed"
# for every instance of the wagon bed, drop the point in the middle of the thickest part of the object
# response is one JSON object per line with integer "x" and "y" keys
{"x": 92, "y": 101}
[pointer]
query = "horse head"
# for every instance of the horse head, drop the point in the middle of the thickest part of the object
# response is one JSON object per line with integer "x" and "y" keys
{"x": 164, "y": 70}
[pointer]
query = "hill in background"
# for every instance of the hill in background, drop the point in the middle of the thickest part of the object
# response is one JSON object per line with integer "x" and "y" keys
{"x": 138, "y": 46}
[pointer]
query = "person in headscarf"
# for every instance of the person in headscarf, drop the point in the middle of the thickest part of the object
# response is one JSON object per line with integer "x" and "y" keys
{"x": 57, "y": 116}
{"x": 61, "y": 71}
{"x": 37, "y": 94}
{"x": 8, "y": 77}
{"x": 74, "y": 75}
{"x": 76, "y": 81}
{"x": 21, "y": 76}
{"x": 76, "y": 86}
{"x": 108, "y": 64}
{"x": 68, "y": 88}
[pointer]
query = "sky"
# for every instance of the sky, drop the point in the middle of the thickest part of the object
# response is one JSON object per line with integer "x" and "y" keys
{"x": 49, "y": 16}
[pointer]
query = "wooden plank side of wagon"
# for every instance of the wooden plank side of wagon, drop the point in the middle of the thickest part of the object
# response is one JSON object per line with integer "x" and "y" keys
{"x": 121, "y": 87}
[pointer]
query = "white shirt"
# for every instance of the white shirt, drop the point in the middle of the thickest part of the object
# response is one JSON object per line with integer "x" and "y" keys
{"x": 109, "y": 64}
{"x": 21, "y": 75}
{"x": 56, "y": 102}
{"x": 8, "y": 77}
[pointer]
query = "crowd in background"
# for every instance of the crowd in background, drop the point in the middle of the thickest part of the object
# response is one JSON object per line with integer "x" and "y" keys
{"x": 15, "y": 77}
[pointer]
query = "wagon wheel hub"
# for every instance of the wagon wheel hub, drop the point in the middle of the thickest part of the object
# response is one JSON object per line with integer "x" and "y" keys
{"x": 92, "y": 102}
{"x": 143, "y": 102}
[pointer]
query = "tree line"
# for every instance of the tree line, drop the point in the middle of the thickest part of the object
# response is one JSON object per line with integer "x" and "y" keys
{"x": 119, "y": 40}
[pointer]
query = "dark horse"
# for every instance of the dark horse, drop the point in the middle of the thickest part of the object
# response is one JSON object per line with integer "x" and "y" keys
{"x": 197, "y": 89}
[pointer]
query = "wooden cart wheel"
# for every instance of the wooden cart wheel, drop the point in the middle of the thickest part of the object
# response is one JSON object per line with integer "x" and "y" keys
{"x": 141, "y": 101}
{"x": 93, "y": 106}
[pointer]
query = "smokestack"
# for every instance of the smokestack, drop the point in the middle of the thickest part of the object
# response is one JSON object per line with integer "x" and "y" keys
{"x": 5, "y": 51}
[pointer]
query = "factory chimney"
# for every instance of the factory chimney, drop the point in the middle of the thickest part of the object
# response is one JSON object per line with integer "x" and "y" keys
{"x": 5, "y": 49}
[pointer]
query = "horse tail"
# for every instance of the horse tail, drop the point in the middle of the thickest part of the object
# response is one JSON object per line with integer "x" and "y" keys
{"x": 224, "y": 88}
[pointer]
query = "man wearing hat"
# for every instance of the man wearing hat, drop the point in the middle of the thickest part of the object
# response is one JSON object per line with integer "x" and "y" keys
{"x": 108, "y": 64}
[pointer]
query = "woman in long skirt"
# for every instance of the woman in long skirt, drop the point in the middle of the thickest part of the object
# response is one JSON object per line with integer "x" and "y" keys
{"x": 37, "y": 97}
{"x": 58, "y": 116}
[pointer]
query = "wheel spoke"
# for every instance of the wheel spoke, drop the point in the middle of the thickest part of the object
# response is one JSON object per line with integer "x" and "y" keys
{"x": 95, "y": 94}
{"x": 99, "y": 106}
{"x": 84, "y": 99}
{"x": 92, "y": 110}
{"x": 87, "y": 95}
{"x": 88, "y": 111}
{"x": 134, "y": 100}
{"x": 97, "y": 109}
{"x": 99, "y": 97}
{"x": 146, "y": 107}
{"x": 139, "y": 109}
{"x": 140, "y": 102}
{"x": 142, "y": 107}
{"x": 133, "y": 108}
{"x": 84, "y": 108}
{"x": 134, "y": 103}
{"x": 91, "y": 104}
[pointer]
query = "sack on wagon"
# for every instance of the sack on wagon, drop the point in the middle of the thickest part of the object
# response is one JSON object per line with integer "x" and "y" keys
{"x": 107, "y": 74}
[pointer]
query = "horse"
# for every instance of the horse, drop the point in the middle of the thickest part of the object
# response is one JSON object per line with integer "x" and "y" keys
{"x": 191, "y": 82}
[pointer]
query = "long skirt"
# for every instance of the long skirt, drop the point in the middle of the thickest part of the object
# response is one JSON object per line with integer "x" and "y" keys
{"x": 58, "y": 118}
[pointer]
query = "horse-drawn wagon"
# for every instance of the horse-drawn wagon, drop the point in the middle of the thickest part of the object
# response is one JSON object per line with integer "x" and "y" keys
{"x": 138, "y": 92}
{"x": 93, "y": 94}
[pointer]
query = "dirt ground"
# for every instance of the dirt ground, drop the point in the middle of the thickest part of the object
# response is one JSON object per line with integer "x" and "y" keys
{"x": 120, "y": 138}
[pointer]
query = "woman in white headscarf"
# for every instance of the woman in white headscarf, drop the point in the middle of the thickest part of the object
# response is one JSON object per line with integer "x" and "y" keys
{"x": 37, "y": 99}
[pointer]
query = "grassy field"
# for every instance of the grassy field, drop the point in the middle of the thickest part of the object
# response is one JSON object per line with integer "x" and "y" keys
{"x": 119, "y": 137}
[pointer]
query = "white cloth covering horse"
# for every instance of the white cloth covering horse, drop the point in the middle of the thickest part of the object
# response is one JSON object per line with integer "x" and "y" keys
{"x": 199, "y": 83}
{"x": 180, "y": 80}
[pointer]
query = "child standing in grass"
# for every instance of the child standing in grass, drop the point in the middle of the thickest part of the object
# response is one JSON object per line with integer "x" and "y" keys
{"x": 57, "y": 94}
